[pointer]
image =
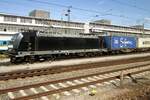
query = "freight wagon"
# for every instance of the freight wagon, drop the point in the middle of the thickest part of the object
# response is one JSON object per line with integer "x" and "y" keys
{"x": 143, "y": 43}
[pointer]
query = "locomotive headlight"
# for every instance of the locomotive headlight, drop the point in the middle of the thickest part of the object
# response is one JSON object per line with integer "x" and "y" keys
{"x": 10, "y": 46}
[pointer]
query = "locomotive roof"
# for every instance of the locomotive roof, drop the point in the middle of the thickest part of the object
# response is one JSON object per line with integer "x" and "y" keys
{"x": 43, "y": 34}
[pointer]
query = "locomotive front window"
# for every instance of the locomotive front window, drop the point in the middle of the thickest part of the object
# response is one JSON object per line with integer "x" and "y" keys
{"x": 15, "y": 36}
{"x": 16, "y": 40}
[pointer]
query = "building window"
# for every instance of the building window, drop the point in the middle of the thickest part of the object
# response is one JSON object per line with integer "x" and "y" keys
{"x": 5, "y": 29}
{"x": 10, "y": 19}
{"x": 38, "y": 22}
{"x": 25, "y": 20}
{"x": 41, "y": 22}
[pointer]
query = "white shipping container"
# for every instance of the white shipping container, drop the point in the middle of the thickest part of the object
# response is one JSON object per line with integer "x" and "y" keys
{"x": 143, "y": 42}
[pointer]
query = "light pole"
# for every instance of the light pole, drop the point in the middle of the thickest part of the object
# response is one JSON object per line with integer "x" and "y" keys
{"x": 69, "y": 10}
{"x": 93, "y": 18}
{"x": 143, "y": 29}
{"x": 68, "y": 14}
{"x": 145, "y": 20}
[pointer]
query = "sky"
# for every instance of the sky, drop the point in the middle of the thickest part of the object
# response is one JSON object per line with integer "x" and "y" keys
{"x": 120, "y": 12}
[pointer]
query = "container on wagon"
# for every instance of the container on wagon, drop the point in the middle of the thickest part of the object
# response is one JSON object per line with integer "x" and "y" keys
{"x": 119, "y": 42}
{"x": 143, "y": 42}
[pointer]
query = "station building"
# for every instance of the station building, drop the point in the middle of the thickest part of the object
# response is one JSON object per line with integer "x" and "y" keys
{"x": 10, "y": 24}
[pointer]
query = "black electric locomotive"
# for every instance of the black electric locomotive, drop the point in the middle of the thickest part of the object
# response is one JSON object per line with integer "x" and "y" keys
{"x": 33, "y": 45}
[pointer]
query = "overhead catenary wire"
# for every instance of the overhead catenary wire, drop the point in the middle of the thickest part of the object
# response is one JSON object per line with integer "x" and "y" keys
{"x": 131, "y": 5}
{"x": 82, "y": 9}
{"x": 95, "y": 12}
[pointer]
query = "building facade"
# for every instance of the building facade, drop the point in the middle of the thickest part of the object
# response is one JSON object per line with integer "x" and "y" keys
{"x": 10, "y": 24}
{"x": 117, "y": 30}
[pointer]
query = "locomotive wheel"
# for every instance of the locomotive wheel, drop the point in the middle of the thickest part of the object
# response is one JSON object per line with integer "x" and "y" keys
{"x": 13, "y": 60}
{"x": 31, "y": 59}
{"x": 16, "y": 60}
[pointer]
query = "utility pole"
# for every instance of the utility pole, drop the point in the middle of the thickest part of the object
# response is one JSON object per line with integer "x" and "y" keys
{"x": 68, "y": 12}
{"x": 143, "y": 29}
{"x": 68, "y": 15}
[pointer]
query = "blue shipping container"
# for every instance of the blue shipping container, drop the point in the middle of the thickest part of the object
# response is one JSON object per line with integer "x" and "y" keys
{"x": 119, "y": 42}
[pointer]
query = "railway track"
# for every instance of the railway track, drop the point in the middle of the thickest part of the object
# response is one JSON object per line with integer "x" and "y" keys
{"x": 70, "y": 85}
{"x": 7, "y": 62}
{"x": 57, "y": 69}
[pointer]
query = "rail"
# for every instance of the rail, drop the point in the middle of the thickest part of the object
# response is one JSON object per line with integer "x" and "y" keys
{"x": 57, "y": 69}
{"x": 113, "y": 74}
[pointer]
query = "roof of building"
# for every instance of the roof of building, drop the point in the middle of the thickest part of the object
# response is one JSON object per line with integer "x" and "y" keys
{"x": 30, "y": 17}
{"x": 118, "y": 26}
{"x": 3, "y": 14}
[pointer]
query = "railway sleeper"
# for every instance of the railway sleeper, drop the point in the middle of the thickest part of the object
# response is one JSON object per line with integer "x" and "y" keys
{"x": 132, "y": 78}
